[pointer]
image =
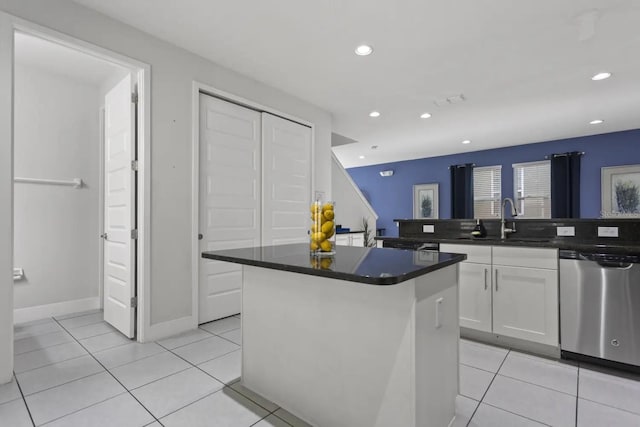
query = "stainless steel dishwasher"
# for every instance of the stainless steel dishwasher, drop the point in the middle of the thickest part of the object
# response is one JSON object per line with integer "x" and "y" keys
{"x": 600, "y": 307}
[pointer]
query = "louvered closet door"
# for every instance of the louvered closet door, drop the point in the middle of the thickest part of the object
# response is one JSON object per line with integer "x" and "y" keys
{"x": 229, "y": 199}
{"x": 286, "y": 180}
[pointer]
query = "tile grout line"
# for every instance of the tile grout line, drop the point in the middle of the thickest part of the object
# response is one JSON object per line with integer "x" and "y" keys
{"x": 112, "y": 375}
{"x": 49, "y": 364}
{"x": 489, "y": 386}
{"x": 24, "y": 400}
{"x": 519, "y": 415}
{"x": 223, "y": 383}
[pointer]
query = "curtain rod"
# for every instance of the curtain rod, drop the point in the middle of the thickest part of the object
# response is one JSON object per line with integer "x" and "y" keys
{"x": 75, "y": 183}
{"x": 564, "y": 154}
{"x": 462, "y": 165}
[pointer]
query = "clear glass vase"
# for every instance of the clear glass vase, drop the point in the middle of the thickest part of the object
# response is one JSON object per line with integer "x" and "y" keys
{"x": 323, "y": 228}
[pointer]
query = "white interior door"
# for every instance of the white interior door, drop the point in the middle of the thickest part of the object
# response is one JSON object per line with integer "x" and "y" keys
{"x": 229, "y": 199}
{"x": 286, "y": 157}
{"x": 119, "y": 208}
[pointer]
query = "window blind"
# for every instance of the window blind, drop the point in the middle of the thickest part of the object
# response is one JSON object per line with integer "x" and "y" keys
{"x": 487, "y": 191}
{"x": 532, "y": 188}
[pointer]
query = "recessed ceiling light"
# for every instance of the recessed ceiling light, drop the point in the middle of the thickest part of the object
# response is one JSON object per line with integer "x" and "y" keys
{"x": 601, "y": 76}
{"x": 596, "y": 122}
{"x": 374, "y": 147}
{"x": 374, "y": 114}
{"x": 425, "y": 115}
{"x": 362, "y": 157}
{"x": 466, "y": 141}
{"x": 364, "y": 50}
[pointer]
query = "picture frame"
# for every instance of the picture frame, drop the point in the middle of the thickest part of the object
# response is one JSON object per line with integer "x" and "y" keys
{"x": 425, "y": 201}
{"x": 620, "y": 191}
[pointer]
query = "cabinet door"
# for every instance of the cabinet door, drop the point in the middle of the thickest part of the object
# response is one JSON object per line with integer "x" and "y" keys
{"x": 525, "y": 303}
{"x": 342, "y": 240}
{"x": 357, "y": 239}
{"x": 475, "y": 296}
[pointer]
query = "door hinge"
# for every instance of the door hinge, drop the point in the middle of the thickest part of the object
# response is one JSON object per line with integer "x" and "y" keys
{"x": 134, "y": 97}
{"x": 134, "y": 165}
{"x": 134, "y": 302}
{"x": 134, "y": 233}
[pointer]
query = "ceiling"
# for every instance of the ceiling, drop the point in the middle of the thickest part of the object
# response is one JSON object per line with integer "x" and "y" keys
{"x": 43, "y": 54}
{"x": 524, "y": 67}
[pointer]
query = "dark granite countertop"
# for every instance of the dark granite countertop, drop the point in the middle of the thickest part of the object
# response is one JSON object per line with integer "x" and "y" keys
{"x": 374, "y": 266}
{"x": 559, "y": 243}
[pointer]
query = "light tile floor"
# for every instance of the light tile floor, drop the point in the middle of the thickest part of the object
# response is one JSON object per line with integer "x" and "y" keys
{"x": 76, "y": 370}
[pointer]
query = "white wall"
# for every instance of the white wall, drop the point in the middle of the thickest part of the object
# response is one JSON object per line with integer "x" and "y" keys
{"x": 351, "y": 205}
{"x": 56, "y": 230}
{"x": 172, "y": 73}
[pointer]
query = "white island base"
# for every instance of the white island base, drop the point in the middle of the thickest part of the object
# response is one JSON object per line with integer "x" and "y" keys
{"x": 340, "y": 353}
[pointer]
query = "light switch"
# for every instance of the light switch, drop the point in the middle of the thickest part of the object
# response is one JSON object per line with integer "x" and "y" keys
{"x": 565, "y": 231}
{"x": 607, "y": 231}
{"x": 428, "y": 228}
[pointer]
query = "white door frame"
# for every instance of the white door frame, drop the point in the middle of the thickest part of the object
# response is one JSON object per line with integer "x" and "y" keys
{"x": 142, "y": 75}
{"x": 197, "y": 88}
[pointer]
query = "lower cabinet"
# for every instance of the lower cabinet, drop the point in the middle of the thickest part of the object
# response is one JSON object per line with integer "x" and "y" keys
{"x": 525, "y": 303}
{"x": 350, "y": 239}
{"x": 475, "y": 296}
{"x": 509, "y": 291}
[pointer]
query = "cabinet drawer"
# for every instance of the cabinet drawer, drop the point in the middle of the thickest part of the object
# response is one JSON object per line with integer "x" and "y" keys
{"x": 526, "y": 257}
{"x": 475, "y": 253}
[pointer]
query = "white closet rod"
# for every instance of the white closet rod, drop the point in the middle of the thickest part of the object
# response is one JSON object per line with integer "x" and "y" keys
{"x": 75, "y": 183}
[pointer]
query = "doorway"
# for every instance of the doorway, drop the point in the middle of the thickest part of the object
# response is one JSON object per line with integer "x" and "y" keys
{"x": 77, "y": 122}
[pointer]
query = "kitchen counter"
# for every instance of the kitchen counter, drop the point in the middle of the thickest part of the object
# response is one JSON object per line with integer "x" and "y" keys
{"x": 560, "y": 243}
{"x": 373, "y": 266}
{"x": 323, "y": 343}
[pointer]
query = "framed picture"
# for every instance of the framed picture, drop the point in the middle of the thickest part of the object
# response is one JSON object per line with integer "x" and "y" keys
{"x": 620, "y": 191}
{"x": 425, "y": 201}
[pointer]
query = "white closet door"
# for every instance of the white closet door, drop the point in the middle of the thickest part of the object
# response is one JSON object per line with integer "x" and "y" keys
{"x": 119, "y": 214}
{"x": 286, "y": 154}
{"x": 229, "y": 199}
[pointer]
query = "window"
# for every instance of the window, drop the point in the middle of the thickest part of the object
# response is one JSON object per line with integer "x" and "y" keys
{"x": 487, "y": 192}
{"x": 532, "y": 188}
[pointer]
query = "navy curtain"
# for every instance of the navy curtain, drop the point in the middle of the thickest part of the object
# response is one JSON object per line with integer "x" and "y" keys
{"x": 461, "y": 191}
{"x": 565, "y": 185}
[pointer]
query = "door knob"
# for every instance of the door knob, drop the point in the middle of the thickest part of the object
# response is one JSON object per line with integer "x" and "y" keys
{"x": 200, "y": 236}
{"x": 103, "y": 236}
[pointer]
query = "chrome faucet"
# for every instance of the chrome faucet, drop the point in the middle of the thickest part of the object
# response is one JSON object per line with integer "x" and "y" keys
{"x": 503, "y": 223}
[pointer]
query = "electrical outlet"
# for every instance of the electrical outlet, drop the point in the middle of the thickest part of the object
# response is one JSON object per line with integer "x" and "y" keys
{"x": 565, "y": 231}
{"x": 607, "y": 231}
{"x": 428, "y": 228}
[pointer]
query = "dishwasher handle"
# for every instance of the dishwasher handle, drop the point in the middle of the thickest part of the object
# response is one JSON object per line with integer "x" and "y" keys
{"x": 614, "y": 264}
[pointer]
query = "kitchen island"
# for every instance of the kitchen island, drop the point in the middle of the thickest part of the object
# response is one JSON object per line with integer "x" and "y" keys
{"x": 367, "y": 337}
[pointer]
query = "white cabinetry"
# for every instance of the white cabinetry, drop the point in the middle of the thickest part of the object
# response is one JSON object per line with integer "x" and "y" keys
{"x": 350, "y": 239}
{"x": 519, "y": 296}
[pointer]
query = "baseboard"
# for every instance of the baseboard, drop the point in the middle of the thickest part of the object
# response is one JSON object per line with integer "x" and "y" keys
{"x": 514, "y": 343}
{"x": 166, "y": 329}
{"x": 27, "y": 314}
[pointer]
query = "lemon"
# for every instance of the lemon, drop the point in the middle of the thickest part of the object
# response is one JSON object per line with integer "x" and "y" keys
{"x": 314, "y": 246}
{"x": 329, "y": 233}
{"x": 325, "y": 245}
{"x": 318, "y": 237}
{"x": 314, "y": 227}
{"x": 327, "y": 207}
{"x": 327, "y": 227}
{"x": 328, "y": 214}
{"x": 315, "y": 206}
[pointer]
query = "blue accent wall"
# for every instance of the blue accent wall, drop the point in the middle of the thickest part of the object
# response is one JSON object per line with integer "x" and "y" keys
{"x": 392, "y": 197}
